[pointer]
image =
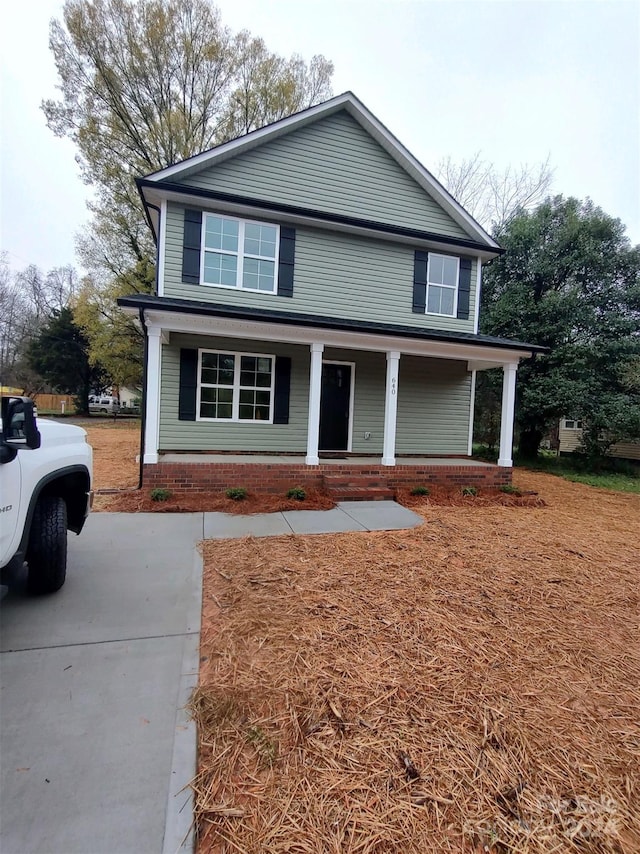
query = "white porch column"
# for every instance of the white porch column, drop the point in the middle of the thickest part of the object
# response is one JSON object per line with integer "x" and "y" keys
{"x": 508, "y": 410}
{"x": 472, "y": 409}
{"x": 152, "y": 395}
{"x": 390, "y": 409}
{"x": 315, "y": 385}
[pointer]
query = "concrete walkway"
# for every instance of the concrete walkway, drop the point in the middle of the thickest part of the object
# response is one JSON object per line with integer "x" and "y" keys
{"x": 95, "y": 744}
{"x": 345, "y": 516}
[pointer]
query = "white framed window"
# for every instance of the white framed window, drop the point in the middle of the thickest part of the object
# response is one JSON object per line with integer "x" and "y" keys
{"x": 239, "y": 253}
{"x": 235, "y": 386}
{"x": 572, "y": 425}
{"x": 443, "y": 272}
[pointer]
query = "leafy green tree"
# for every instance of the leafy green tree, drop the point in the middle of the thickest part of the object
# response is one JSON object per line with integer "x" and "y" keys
{"x": 146, "y": 84}
{"x": 569, "y": 280}
{"x": 116, "y": 342}
{"x": 60, "y": 354}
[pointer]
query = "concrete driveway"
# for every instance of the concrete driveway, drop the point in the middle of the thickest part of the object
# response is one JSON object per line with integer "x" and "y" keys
{"x": 95, "y": 745}
{"x": 93, "y": 680}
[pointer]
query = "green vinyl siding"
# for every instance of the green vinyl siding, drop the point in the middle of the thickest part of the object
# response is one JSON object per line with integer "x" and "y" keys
{"x": 335, "y": 274}
{"x": 176, "y": 435}
{"x": 332, "y": 165}
{"x": 433, "y": 406}
{"x": 433, "y": 403}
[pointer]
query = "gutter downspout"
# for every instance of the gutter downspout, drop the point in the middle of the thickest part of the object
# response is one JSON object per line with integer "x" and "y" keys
{"x": 143, "y": 420}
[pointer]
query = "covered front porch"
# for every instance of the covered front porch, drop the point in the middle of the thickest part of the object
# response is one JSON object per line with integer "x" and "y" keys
{"x": 365, "y": 406}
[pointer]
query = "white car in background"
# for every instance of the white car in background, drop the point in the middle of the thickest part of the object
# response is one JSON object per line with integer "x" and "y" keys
{"x": 104, "y": 403}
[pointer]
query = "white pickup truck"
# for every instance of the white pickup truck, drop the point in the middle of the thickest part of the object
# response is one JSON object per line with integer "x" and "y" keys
{"x": 45, "y": 490}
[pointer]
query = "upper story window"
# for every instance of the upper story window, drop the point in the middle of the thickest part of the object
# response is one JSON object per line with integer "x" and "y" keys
{"x": 239, "y": 254}
{"x": 572, "y": 425}
{"x": 442, "y": 284}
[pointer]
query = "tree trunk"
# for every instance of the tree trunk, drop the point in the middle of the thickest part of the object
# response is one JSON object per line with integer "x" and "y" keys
{"x": 529, "y": 444}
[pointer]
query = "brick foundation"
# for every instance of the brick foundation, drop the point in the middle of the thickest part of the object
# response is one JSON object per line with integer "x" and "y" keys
{"x": 277, "y": 478}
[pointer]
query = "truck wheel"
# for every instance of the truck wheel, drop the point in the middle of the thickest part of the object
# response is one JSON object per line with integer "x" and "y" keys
{"x": 47, "y": 553}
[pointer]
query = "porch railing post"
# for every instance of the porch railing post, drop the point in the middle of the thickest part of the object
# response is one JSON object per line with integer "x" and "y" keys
{"x": 508, "y": 411}
{"x": 390, "y": 409}
{"x": 315, "y": 385}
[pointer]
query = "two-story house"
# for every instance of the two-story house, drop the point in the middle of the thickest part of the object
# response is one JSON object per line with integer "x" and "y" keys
{"x": 316, "y": 314}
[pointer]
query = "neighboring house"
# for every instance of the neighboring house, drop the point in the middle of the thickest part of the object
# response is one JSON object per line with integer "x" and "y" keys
{"x": 129, "y": 397}
{"x": 570, "y": 439}
{"x": 316, "y": 314}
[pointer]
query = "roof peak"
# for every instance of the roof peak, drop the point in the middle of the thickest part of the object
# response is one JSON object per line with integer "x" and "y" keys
{"x": 366, "y": 119}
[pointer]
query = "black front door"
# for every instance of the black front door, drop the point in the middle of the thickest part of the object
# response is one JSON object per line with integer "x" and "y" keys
{"x": 334, "y": 407}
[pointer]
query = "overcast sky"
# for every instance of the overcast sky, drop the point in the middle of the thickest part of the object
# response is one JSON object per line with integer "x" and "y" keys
{"x": 515, "y": 80}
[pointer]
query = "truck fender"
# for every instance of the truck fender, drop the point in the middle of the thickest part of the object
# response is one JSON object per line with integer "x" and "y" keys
{"x": 78, "y": 508}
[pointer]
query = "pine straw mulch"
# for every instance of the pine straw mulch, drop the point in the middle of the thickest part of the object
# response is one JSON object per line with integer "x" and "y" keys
{"x": 139, "y": 501}
{"x": 469, "y": 685}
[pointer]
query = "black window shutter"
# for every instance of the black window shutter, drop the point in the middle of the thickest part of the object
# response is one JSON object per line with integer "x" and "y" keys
{"x": 188, "y": 385}
{"x": 286, "y": 258}
{"x": 420, "y": 282}
{"x": 191, "y": 247}
{"x": 464, "y": 289}
{"x": 282, "y": 390}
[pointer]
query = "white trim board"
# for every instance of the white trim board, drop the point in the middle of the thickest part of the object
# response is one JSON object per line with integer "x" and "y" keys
{"x": 479, "y": 357}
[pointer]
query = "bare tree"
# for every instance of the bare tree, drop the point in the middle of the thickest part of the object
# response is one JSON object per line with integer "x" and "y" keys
{"x": 491, "y": 196}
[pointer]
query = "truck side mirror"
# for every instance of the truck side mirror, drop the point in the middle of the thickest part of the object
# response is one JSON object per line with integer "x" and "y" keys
{"x": 19, "y": 428}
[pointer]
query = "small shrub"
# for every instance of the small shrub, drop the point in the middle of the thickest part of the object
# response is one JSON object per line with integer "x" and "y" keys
{"x": 236, "y": 493}
{"x": 469, "y": 490}
{"x": 297, "y": 492}
{"x": 160, "y": 494}
{"x": 510, "y": 489}
{"x": 419, "y": 490}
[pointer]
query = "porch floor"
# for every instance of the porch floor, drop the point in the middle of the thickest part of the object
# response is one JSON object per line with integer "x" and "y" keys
{"x": 268, "y": 459}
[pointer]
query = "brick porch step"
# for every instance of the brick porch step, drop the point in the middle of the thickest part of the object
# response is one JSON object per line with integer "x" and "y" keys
{"x": 354, "y": 479}
{"x": 356, "y": 487}
{"x": 362, "y": 493}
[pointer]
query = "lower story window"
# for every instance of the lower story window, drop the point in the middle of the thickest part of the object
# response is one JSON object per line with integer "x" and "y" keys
{"x": 235, "y": 387}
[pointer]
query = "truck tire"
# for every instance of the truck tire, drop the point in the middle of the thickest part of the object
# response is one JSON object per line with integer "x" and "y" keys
{"x": 47, "y": 553}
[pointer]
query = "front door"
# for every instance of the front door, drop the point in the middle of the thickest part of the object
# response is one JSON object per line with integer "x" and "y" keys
{"x": 335, "y": 400}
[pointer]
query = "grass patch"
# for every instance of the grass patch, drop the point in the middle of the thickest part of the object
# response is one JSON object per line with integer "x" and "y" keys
{"x": 616, "y": 482}
{"x": 616, "y": 475}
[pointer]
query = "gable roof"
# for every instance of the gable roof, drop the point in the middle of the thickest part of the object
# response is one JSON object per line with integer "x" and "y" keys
{"x": 180, "y": 171}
